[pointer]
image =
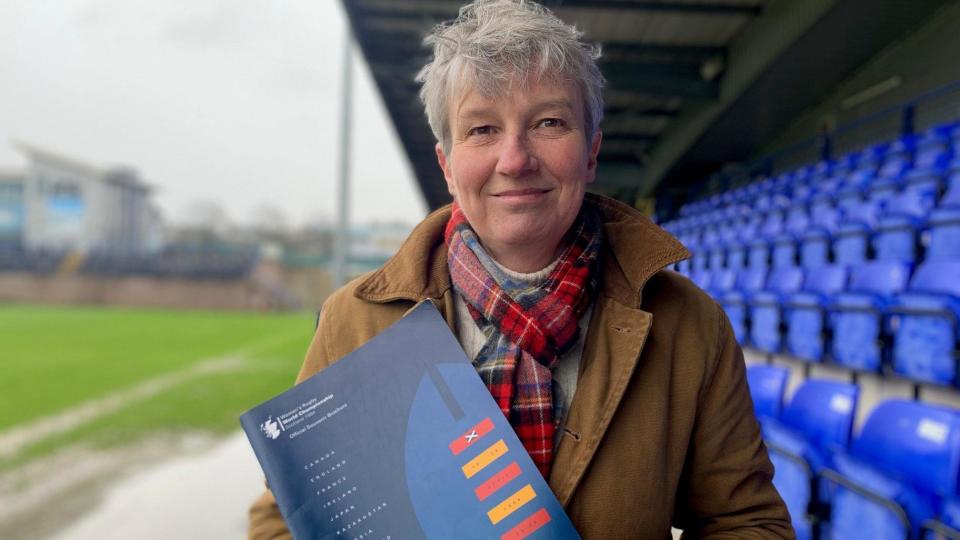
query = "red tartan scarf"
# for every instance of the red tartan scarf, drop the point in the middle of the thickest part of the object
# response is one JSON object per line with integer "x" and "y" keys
{"x": 528, "y": 327}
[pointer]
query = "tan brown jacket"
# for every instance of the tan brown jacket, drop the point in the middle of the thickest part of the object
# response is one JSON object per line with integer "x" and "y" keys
{"x": 661, "y": 430}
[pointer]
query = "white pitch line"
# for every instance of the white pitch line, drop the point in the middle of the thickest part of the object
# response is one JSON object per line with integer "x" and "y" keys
{"x": 17, "y": 438}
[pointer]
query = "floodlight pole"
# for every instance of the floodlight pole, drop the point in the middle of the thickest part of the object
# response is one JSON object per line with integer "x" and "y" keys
{"x": 343, "y": 225}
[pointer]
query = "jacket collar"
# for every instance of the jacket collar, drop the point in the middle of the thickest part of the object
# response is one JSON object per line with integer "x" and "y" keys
{"x": 638, "y": 247}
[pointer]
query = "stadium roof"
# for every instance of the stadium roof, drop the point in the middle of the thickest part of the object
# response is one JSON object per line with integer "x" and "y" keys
{"x": 692, "y": 84}
{"x": 119, "y": 174}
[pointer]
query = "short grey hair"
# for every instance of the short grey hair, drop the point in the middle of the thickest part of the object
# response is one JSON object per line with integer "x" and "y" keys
{"x": 494, "y": 43}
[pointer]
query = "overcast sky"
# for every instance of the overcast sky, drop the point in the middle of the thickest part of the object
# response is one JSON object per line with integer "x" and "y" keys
{"x": 234, "y": 101}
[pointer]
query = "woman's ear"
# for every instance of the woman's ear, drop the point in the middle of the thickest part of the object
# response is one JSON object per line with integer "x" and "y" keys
{"x": 444, "y": 163}
{"x": 594, "y": 151}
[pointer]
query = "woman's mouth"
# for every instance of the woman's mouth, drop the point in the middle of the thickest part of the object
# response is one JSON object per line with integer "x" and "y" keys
{"x": 522, "y": 195}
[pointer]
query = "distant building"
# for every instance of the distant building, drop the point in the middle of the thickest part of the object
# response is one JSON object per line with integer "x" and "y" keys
{"x": 70, "y": 205}
{"x": 11, "y": 209}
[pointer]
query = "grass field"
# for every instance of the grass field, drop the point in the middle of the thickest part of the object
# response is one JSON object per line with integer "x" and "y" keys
{"x": 53, "y": 359}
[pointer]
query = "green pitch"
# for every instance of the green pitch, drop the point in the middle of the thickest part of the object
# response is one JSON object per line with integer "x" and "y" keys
{"x": 174, "y": 370}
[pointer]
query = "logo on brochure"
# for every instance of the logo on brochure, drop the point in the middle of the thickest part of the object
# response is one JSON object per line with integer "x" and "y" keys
{"x": 270, "y": 428}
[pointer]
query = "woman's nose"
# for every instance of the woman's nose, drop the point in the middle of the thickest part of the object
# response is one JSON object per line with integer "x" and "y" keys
{"x": 516, "y": 158}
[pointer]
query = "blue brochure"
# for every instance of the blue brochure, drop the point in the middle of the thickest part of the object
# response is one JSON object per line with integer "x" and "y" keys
{"x": 401, "y": 439}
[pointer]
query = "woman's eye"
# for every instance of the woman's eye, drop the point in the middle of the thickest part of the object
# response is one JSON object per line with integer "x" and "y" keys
{"x": 480, "y": 130}
{"x": 551, "y": 123}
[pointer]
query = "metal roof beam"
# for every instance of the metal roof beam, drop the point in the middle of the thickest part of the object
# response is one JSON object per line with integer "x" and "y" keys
{"x": 761, "y": 43}
{"x": 703, "y": 8}
{"x": 682, "y": 80}
{"x": 628, "y": 137}
{"x": 412, "y": 11}
{"x": 672, "y": 52}
{"x": 616, "y": 112}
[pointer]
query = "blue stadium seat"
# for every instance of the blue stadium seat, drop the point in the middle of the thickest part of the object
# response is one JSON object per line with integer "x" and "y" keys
{"x": 758, "y": 254}
{"x": 767, "y": 384}
{"x": 765, "y": 308}
{"x": 845, "y": 164}
{"x": 947, "y": 525}
{"x": 816, "y": 423}
{"x": 736, "y": 255}
{"x": 858, "y": 315}
{"x": 816, "y": 241}
{"x": 828, "y": 187}
{"x": 762, "y": 244}
{"x": 734, "y": 302}
{"x": 801, "y": 193}
{"x": 721, "y": 281}
{"x": 855, "y": 232}
{"x": 805, "y": 312}
{"x": 932, "y": 163}
{"x": 951, "y": 197}
{"x": 786, "y": 243}
{"x": 784, "y": 251}
{"x": 698, "y": 262}
{"x": 701, "y": 279}
{"x": 856, "y": 183}
{"x": 899, "y": 158}
{"x": 898, "y": 473}
{"x": 715, "y": 256}
{"x": 924, "y": 325}
{"x": 897, "y": 236}
{"x": 944, "y": 226}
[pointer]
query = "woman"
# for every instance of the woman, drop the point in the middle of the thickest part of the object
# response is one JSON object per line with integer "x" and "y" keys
{"x": 623, "y": 380}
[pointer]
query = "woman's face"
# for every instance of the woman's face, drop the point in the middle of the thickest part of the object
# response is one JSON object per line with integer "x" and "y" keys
{"x": 518, "y": 166}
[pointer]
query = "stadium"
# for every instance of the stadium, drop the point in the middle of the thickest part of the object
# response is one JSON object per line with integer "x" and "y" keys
{"x": 805, "y": 152}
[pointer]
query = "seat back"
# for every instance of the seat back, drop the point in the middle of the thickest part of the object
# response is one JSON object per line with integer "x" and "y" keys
{"x": 722, "y": 280}
{"x": 784, "y": 251}
{"x": 785, "y": 280}
{"x": 824, "y": 214}
{"x": 701, "y": 279}
{"x": 823, "y": 411}
{"x": 815, "y": 250}
{"x": 857, "y": 344}
{"x": 937, "y": 277}
{"x": 907, "y": 455}
{"x": 925, "y": 341}
{"x": 944, "y": 234}
{"x": 751, "y": 279}
{"x": 896, "y": 237}
{"x": 883, "y": 278}
{"x": 767, "y": 384}
{"x": 916, "y": 443}
{"x": 759, "y": 255}
{"x": 827, "y": 280}
{"x": 736, "y": 255}
{"x": 715, "y": 258}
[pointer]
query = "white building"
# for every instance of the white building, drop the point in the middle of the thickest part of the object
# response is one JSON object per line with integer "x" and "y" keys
{"x": 11, "y": 208}
{"x": 70, "y": 205}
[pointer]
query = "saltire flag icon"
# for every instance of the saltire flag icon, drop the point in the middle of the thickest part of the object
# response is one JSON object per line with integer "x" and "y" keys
{"x": 473, "y": 434}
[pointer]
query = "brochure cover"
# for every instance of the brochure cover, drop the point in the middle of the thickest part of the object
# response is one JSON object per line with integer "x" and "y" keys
{"x": 401, "y": 439}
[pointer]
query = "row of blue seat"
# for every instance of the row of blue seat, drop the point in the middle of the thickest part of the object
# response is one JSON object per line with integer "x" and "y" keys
{"x": 898, "y": 238}
{"x": 879, "y": 316}
{"x": 772, "y": 215}
{"x": 910, "y": 159}
{"x": 898, "y": 478}
{"x": 901, "y": 202}
{"x": 901, "y": 227}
